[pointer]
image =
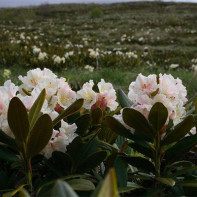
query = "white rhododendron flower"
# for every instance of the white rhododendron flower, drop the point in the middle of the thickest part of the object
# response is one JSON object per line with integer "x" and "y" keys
{"x": 87, "y": 94}
{"x": 42, "y": 56}
{"x": 106, "y": 97}
{"x": 146, "y": 91}
{"x": 7, "y": 92}
{"x": 66, "y": 96}
{"x": 60, "y": 139}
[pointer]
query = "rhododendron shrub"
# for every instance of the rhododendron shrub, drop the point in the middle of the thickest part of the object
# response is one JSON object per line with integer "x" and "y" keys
{"x": 132, "y": 143}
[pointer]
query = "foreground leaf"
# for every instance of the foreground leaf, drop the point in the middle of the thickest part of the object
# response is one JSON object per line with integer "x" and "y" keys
{"x": 118, "y": 128}
{"x": 81, "y": 184}
{"x": 36, "y": 108}
{"x": 158, "y": 116}
{"x": 71, "y": 110}
{"x": 40, "y": 135}
{"x": 139, "y": 163}
{"x": 18, "y": 120}
{"x": 180, "y": 148}
{"x": 167, "y": 181}
{"x": 107, "y": 188}
{"x": 4, "y": 138}
{"x": 136, "y": 120}
{"x": 180, "y": 130}
{"x": 123, "y": 99}
{"x": 61, "y": 188}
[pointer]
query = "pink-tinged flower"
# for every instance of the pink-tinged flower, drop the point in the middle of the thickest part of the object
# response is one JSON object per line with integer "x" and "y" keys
{"x": 60, "y": 139}
{"x": 65, "y": 95}
{"x": 146, "y": 91}
{"x": 87, "y": 94}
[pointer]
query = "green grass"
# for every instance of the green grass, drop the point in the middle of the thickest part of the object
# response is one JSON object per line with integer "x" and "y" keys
{"x": 120, "y": 78}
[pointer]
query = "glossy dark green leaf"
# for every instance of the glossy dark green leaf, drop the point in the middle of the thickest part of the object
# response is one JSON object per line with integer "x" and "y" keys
{"x": 130, "y": 187}
{"x": 158, "y": 116}
{"x": 24, "y": 193}
{"x": 143, "y": 149}
{"x": 188, "y": 183}
{"x": 81, "y": 184}
{"x": 18, "y": 120}
{"x": 179, "y": 131}
{"x": 36, "y": 108}
{"x": 121, "y": 172}
{"x": 123, "y": 99}
{"x": 92, "y": 161}
{"x": 71, "y": 110}
{"x": 118, "y": 128}
{"x": 62, "y": 189}
{"x": 167, "y": 181}
{"x": 108, "y": 187}
{"x": 74, "y": 149}
{"x": 179, "y": 164}
{"x": 62, "y": 161}
{"x": 97, "y": 116}
{"x": 8, "y": 155}
{"x": 40, "y": 135}
{"x": 136, "y": 120}
{"x": 140, "y": 163}
{"x": 184, "y": 171}
{"x": 83, "y": 123}
{"x": 180, "y": 148}
{"x": 4, "y": 138}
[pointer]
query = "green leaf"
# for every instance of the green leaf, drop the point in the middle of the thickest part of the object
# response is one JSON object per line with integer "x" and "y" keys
{"x": 158, "y": 116}
{"x": 108, "y": 187}
{"x": 121, "y": 172}
{"x": 183, "y": 164}
{"x": 180, "y": 148}
{"x": 143, "y": 149}
{"x": 167, "y": 181}
{"x": 12, "y": 193}
{"x": 130, "y": 187}
{"x": 71, "y": 110}
{"x": 18, "y": 120}
{"x": 140, "y": 163}
{"x": 24, "y": 193}
{"x": 179, "y": 131}
{"x": 40, "y": 135}
{"x": 62, "y": 160}
{"x": 92, "y": 161}
{"x": 97, "y": 116}
{"x": 4, "y": 138}
{"x": 183, "y": 171}
{"x": 83, "y": 123}
{"x": 74, "y": 149}
{"x": 123, "y": 99}
{"x": 118, "y": 128}
{"x": 136, "y": 120}
{"x": 61, "y": 188}
{"x": 8, "y": 155}
{"x": 188, "y": 183}
{"x": 36, "y": 108}
{"x": 81, "y": 184}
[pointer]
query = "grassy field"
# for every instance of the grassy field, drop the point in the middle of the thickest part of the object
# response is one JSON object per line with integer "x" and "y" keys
{"x": 118, "y": 41}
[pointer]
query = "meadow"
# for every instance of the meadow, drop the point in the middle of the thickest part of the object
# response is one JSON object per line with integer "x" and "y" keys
{"x": 89, "y": 41}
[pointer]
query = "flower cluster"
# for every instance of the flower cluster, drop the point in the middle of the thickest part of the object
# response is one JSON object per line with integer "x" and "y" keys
{"x": 146, "y": 91}
{"x": 59, "y": 96}
{"x": 105, "y": 97}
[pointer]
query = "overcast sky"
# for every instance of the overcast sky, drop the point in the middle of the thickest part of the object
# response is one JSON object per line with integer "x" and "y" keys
{"x": 14, "y": 3}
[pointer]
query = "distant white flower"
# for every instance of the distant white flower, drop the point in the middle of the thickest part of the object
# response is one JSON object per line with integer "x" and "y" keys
{"x": 172, "y": 66}
{"x": 89, "y": 68}
{"x": 42, "y": 56}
